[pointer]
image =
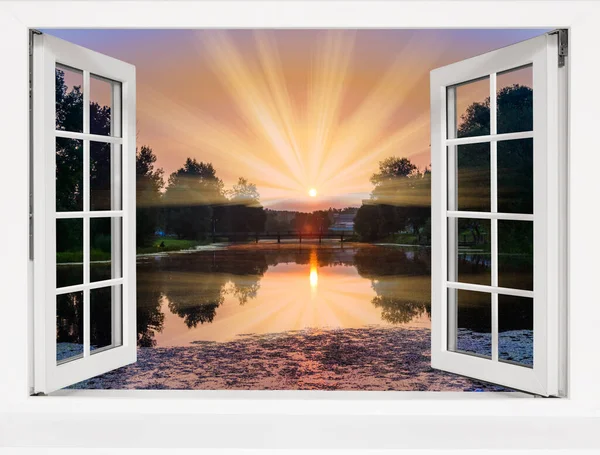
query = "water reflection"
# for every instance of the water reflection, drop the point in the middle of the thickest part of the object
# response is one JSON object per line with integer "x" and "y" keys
{"x": 217, "y": 295}
{"x": 313, "y": 275}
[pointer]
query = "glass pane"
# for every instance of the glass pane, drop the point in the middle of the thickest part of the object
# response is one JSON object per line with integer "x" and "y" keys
{"x": 515, "y": 329}
{"x": 515, "y": 100}
{"x": 105, "y": 176}
{"x": 515, "y": 176}
{"x": 69, "y": 99}
{"x": 69, "y": 326}
{"x": 104, "y": 120}
{"x": 69, "y": 175}
{"x": 105, "y": 318}
{"x": 472, "y": 104}
{"x": 69, "y": 252}
{"x": 515, "y": 254}
{"x": 103, "y": 232}
{"x": 473, "y": 177}
{"x": 473, "y": 321}
{"x": 470, "y": 239}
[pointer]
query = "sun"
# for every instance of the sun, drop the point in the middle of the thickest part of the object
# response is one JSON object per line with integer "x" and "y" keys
{"x": 312, "y": 192}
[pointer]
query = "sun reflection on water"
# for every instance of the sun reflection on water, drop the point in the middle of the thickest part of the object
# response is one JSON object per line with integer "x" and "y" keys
{"x": 313, "y": 276}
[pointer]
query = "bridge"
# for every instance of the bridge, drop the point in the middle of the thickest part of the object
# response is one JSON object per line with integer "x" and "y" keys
{"x": 256, "y": 236}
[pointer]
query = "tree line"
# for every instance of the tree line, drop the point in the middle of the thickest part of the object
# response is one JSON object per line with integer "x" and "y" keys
{"x": 401, "y": 196}
{"x": 194, "y": 204}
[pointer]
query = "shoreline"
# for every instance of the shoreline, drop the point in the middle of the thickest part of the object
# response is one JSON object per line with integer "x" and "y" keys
{"x": 366, "y": 359}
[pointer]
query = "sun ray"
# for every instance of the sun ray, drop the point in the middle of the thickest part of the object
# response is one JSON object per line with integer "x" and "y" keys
{"x": 271, "y": 64}
{"x": 327, "y": 86}
{"x": 252, "y": 97}
{"x": 286, "y": 150}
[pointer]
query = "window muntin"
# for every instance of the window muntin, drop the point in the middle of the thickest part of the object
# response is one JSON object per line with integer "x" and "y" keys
{"x": 490, "y": 218}
{"x": 89, "y": 195}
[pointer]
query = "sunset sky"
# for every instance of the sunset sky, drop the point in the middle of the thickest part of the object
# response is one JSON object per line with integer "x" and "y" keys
{"x": 290, "y": 110}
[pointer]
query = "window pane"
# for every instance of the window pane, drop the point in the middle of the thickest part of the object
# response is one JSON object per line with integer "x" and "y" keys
{"x": 515, "y": 176}
{"x": 473, "y": 321}
{"x": 470, "y": 239}
{"x": 515, "y": 254}
{"x": 69, "y": 326}
{"x": 105, "y": 176}
{"x": 472, "y": 108}
{"x": 69, "y": 175}
{"x": 69, "y": 99}
{"x": 473, "y": 177}
{"x": 104, "y": 120}
{"x": 105, "y": 234}
{"x": 69, "y": 252}
{"x": 105, "y": 318}
{"x": 515, "y": 329}
{"x": 515, "y": 100}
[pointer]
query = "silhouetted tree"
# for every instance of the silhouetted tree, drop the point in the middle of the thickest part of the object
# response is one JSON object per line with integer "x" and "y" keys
{"x": 246, "y": 214}
{"x": 192, "y": 193}
{"x": 149, "y": 182}
{"x": 401, "y": 198}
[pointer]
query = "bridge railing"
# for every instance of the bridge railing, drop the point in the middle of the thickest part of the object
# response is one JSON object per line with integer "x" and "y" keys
{"x": 279, "y": 235}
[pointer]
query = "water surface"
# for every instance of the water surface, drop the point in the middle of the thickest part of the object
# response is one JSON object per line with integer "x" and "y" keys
{"x": 241, "y": 289}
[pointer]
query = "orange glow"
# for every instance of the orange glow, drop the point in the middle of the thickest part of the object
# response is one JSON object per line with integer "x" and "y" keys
{"x": 313, "y": 277}
{"x": 291, "y": 109}
{"x": 285, "y": 301}
{"x": 289, "y": 121}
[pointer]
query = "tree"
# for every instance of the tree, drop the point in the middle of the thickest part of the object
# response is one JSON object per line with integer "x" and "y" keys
{"x": 515, "y": 158}
{"x": 391, "y": 168}
{"x": 245, "y": 211}
{"x": 401, "y": 198}
{"x": 69, "y": 167}
{"x": 515, "y": 166}
{"x": 189, "y": 200}
{"x": 366, "y": 222}
{"x": 149, "y": 182}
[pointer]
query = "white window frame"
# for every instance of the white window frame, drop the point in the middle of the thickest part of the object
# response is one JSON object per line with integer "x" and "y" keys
{"x": 548, "y": 375}
{"x": 303, "y": 420}
{"x": 48, "y": 52}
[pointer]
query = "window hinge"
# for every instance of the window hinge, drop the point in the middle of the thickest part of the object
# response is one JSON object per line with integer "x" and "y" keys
{"x": 31, "y": 33}
{"x": 563, "y": 45}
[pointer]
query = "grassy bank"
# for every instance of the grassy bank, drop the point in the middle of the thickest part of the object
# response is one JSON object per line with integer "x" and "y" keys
{"x": 406, "y": 239}
{"x": 63, "y": 257}
{"x": 168, "y": 244}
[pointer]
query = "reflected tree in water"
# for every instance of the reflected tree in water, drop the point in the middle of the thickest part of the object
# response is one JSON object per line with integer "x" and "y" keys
{"x": 150, "y": 318}
{"x": 69, "y": 318}
{"x": 400, "y": 311}
{"x": 401, "y": 280}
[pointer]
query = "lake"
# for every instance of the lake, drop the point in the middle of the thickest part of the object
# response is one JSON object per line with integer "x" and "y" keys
{"x": 221, "y": 293}
{"x": 296, "y": 316}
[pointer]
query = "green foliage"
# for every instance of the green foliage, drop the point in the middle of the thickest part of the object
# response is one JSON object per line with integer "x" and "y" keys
{"x": 163, "y": 244}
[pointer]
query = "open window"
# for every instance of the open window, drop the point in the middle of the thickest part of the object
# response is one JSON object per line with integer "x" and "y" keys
{"x": 83, "y": 213}
{"x": 498, "y": 216}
